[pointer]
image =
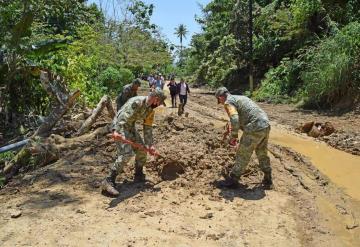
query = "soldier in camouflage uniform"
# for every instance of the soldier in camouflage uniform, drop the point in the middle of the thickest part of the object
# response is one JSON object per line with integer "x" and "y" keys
{"x": 135, "y": 109}
{"x": 244, "y": 114}
{"x": 128, "y": 91}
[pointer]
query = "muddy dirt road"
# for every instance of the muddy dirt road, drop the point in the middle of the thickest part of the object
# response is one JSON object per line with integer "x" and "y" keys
{"x": 179, "y": 204}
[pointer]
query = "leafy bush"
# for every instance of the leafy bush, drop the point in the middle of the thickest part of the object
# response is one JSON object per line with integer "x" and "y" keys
{"x": 4, "y": 157}
{"x": 114, "y": 79}
{"x": 280, "y": 83}
{"x": 303, "y": 10}
{"x": 222, "y": 63}
{"x": 81, "y": 62}
{"x": 331, "y": 69}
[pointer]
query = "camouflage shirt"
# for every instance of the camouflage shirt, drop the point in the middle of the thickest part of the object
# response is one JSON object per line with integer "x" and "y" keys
{"x": 245, "y": 114}
{"x": 133, "y": 110}
{"x": 124, "y": 95}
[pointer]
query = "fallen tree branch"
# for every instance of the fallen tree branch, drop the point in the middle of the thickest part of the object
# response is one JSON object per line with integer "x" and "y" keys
{"x": 42, "y": 151}
{"x": 55, "y": 116}
{"x": 105, "y": 101}
{"x": 55, "y": 87}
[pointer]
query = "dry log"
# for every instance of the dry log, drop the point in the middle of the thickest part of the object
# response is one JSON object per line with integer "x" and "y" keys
{"x": 21, "y": 159}
{"x": 105, "y": 101}
{"x": 54, "y": 85}
{"x": 55, "y": 115}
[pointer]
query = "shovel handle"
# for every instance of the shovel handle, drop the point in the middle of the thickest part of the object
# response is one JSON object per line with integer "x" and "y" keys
{"x": 120, "y": 138}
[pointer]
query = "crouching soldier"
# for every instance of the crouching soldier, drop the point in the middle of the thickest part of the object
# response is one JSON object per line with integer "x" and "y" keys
{"x": 139, "y": 108}
{"x": 128, "y": 91}
{"x": 254, "y": 123}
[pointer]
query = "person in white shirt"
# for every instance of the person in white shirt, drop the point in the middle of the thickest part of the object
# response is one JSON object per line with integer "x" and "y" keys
{"x": 150, "y": 80}
{"x": 183, "y": 92}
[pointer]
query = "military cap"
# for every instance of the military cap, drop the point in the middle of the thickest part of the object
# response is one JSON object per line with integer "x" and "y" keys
{"x": 137, "y": 82}
{"x": 159, "y": 94}
{"x": 221, "y": 91}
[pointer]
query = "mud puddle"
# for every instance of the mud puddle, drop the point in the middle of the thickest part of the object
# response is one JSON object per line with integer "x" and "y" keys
{"x": 341, "y": 167}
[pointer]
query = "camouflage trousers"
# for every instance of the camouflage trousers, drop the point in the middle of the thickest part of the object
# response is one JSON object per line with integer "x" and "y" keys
{"x": 249, "y": 142}
{"x": 126, "y": 151}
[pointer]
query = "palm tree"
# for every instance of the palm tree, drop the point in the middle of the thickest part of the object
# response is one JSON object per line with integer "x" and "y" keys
{"x": 181, "y": 32}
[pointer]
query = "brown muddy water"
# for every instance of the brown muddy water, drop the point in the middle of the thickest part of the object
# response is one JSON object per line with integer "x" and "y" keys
{"x": 341, "y": 167}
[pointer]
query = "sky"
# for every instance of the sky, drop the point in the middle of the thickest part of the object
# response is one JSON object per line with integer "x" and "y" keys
{"x": 168, "y": 14}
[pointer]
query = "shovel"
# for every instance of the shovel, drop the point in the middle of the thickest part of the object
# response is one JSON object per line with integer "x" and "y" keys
{"x": 117, "y": 137}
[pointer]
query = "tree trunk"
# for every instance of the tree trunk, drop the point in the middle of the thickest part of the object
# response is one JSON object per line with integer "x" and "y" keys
{"x": 55, "y": 87}
{"x": 105, "y": 101}
{"x": 55, "y": 115}
{"x": 40, "y": 153}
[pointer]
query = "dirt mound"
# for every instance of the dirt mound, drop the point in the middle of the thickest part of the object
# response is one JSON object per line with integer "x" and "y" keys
{"x": 194, "y": 151}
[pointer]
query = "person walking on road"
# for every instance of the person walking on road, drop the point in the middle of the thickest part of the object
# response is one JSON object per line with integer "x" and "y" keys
{"x": 159, "y": 82}
{"x": 173, "y": 87}
{"x": 244, "y": 114}
{"x": 139, "y": 108}
{"x": 184, "y": 90}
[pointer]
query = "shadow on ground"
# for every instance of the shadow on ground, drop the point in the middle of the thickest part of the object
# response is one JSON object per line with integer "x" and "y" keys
{"x": 242, "y": 191}
{"x": 131, "y": 189}
{"x": 49, "y": 199}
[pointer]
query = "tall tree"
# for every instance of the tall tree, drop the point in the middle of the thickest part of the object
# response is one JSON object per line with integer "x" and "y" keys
{"x": 181, "y": 31}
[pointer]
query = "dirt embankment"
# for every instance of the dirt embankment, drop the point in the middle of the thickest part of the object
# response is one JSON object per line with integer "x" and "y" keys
{"x": 180, "y": 204}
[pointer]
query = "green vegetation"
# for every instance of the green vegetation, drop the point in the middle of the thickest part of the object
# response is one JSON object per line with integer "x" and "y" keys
{"x": 304, "y": 50}
{"x": 181, "y": 32}
{"x": 4, "y": 157}
{"x": 73, "y": 39}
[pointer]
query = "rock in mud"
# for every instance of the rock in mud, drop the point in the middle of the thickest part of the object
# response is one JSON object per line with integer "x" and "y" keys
{"x": 16, "y": 214}
{"x": 317, "y": 129}
{"x": 179, "y": 126}
{"x": 80, "y": 211}
{"x": 207, "y": 216}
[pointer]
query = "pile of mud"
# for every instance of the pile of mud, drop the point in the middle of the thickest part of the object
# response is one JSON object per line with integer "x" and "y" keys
{"x": 192, "y": 150}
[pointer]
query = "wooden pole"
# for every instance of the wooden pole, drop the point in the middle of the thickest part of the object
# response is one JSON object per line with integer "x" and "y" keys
{"x": 251, "y": 80}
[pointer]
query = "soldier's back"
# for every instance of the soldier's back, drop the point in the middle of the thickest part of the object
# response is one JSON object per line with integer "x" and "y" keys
{"x": 133, "y": 110}
{"x": 125, "y": 94}
{"x": 251, "y": 116}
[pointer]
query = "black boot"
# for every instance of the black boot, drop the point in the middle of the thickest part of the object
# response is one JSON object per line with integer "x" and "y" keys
{"x": 139, "y": 175}
{"x": 180, "y": 109}
{"x": 267, "y": 181}
{"x": 108, "y": 185}
{"x": 231, "y": 181}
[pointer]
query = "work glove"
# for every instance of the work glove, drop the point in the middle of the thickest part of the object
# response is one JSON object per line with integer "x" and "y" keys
{"x": 233, "y": 142}
{"x": 227, "y": 131}
{"x": 117, "y": 135}
{"x": 152, "y": 150}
